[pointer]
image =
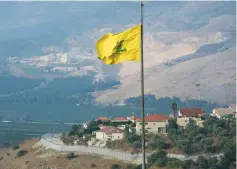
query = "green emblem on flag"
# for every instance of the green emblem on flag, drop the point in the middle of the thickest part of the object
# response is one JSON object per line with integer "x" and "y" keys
{"x": 119, "y": 48}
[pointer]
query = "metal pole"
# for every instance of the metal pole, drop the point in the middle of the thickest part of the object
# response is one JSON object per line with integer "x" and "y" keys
{"x": 142, "y": 94}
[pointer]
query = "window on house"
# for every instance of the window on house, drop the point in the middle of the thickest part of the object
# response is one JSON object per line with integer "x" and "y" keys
{"x": 146, "y": 123}
{"x": 161, "y": 129}
{"x": 118, "y": 136}
{"x": 146, "y": 131}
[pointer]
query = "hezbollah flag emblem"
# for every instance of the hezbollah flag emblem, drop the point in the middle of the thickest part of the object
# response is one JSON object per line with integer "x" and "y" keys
{"x": 120, "y": 47}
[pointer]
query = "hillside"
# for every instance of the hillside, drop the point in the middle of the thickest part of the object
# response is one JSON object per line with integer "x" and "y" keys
{"x": 38, "y": 158}
{"x": 189, "y": 47}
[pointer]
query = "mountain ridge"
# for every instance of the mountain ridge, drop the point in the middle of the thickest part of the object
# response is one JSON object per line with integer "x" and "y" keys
{"x": 181, "y": 40}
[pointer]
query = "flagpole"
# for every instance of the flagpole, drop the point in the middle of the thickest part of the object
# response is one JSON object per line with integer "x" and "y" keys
{"x": 142, "y": 93}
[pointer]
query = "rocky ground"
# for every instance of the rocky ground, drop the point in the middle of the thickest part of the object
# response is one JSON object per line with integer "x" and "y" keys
{"x": 39, "y": 158}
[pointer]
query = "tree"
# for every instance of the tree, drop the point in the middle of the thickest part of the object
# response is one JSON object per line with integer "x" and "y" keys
{"x": 126, "y": 131}
{"x": 230, "y": 151}
{"x": 79, "y": 134}
{"x": 160, "y": 158}
{"x": 161, "y": 144}
{"x": 92, "y": 126}
{"x": 99, "y": 122}
{"x": 202, "y": 162}
{"x": 157, "y": 144}
{"x": 115, "y": 166}
{"x": 172, "y": 125}
{"x": 174, "y": 108}
{"x": 21, "y": 153}
{"x": 75, "y": 128}
{"x": 137, "y": 144}
{"x": 134, "y": 137}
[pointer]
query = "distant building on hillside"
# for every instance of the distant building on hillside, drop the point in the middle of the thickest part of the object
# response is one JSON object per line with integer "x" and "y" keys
{"x": 232, "y": 106}
{"x": 154, "y": 123}
{"x": 186, "y": 114}
{"x": 220, "y": 112}
{"x": 102, "y": 119}
{"x": 120, "y": 119}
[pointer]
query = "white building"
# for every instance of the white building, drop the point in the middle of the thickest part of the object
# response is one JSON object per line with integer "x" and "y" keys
{"x": 109, "y": 133}
{"x": 220, "y": 112}
{"x": 154, "y": 123}
{"x": 85, "y": 125}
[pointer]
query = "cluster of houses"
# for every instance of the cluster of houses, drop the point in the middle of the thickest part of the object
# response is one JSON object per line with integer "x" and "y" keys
{"x": 157, "y": 123}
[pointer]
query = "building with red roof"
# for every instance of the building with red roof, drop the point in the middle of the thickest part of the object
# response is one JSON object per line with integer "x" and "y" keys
{"x": 191, "y": 112}
{"x": 154, "y": 123}
{"x": 185, "y": 114}
{"x": 132, "y": 118}
{"x": 102, "y": 119}
{"x": 109, "y": 133}
{"x": 119, "y": 119}
{"x": 101, "y": 126}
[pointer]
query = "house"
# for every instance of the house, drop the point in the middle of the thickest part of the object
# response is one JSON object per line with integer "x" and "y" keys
{"x": 183, "y": 121}
{"x": 102, "y": 119}
{"x": 232, "y": 106}
{"x": 220, "y": 112}
{"x": 190, "y": 112}
{"x": 154, "y": 123}
{"x": 109, "y": 133}
{"x": 101, "y": 126}
{"x": 186, "y": 114}
{"x": 133, "y": 118}
{"x": 120, "y": 119}
{"x": 85, "y": 125}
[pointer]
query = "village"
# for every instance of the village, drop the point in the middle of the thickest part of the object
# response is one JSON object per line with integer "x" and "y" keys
{"x": 105, "y": 131}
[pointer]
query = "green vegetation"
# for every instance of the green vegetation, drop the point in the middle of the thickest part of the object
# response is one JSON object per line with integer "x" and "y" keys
{"x": 160, "y": 159}
{"x": 152, "y": 102}
{"x": 21, "y": 153}
{"x": 115, "y": 166}
{"x": 156, "y": 142}
{"x": 80, "y": 134}
{"x": 211, "y": 139}
{"x": 15, "y": 147}
{"x": 92, "y": 126}
{"x": 174, "y": 108}
{"x": 71, "y": 155}
{"x": 93, "y": 165}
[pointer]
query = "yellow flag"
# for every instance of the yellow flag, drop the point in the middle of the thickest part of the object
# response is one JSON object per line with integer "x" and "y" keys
{"x": 120, "y": 47}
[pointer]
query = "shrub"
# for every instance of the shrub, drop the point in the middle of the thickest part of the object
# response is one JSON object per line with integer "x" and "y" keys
{"x": 79, "y": 134}
{"x": 15, "y": 147}
{"x": 68, "y": 140}
{"x": 71, "y": 155}
{"x": 160, "y": 158}
{"x": 133, "y": 167}
{"x": 133, "y": 137}
{"x": 115, "y": 166}
{"x": 137, "y": 144}
{"x": 21, "y": 153}
{"x": 93, "y": 165}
